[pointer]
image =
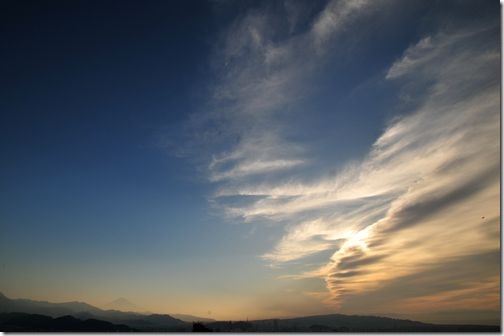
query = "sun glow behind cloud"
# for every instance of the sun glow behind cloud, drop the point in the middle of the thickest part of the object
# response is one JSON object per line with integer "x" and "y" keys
{"x": 424, "y": 198}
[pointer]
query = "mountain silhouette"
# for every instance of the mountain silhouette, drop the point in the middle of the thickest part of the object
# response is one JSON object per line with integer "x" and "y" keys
{"x": 342, "y": 323}
{"x": 21, "y": 322}
{"x": 30, "y": 316}
{"x": 123, "y": 305}
{"x": 44, "y": 307}
{"x": 84, "y": 311}
{"x": 192, "y": 318}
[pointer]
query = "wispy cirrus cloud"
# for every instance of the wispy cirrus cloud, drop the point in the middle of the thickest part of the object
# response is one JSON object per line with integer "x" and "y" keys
{"x": 263, "y": 69}
{"x": 425, "y": 196}
{"x": 438, "y": 170}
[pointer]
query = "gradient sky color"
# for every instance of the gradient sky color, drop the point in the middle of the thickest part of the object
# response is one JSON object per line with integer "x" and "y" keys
{"x": 253, "y": 159}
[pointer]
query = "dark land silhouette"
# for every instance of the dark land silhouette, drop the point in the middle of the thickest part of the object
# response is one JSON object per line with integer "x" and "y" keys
{"x": 21, "y": 322}
{"x": 21, "y": 315}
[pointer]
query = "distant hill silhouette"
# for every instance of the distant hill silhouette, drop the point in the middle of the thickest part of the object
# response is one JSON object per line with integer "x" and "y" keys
{"x": 124, "y": 305}
{"x": 157, "y": 322}
{"x": 45, "y": 308}
{"x": 28, "y": 315}
{"x": 83, "y": 311}
{"x": 342, "y": 323}
{"x": 192, "y": 318}
{"x": 21, "y": 322}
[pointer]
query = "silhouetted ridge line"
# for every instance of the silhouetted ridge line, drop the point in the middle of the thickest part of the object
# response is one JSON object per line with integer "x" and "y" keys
{"x": 20, "y": 322}
{"x": 30, "y": 316}
{"x": 84, "y": 311}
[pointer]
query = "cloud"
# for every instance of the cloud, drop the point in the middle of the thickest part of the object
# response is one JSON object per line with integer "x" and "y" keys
{"x": 254, "y": 156}
{"x": 463, "y": 282}
{"x": 262, "y": 69}
{"x": 428, "y": 179}
{"x": 334, "y": 18}
{"x": 427, "y": 192}
{"x": 444, "y": 161}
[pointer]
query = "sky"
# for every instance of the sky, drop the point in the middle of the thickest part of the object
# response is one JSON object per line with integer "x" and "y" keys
{"x": 253, "y": 159}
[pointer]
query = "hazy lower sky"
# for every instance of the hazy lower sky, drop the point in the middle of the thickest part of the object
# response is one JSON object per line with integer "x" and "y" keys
{"x": 252, "y": 159}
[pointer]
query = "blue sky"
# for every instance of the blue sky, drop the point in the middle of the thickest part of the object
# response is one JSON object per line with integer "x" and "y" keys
{"x": 253, "y": 159}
